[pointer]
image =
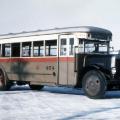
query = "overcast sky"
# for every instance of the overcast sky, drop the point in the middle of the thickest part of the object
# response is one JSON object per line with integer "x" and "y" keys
{"x": 29, "y": 15}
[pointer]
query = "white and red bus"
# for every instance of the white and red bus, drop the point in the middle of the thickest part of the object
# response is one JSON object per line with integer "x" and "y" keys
{"x": 47, "y": 57}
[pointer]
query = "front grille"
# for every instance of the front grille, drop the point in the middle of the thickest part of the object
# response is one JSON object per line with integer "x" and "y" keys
{"x": 117, "y": 68}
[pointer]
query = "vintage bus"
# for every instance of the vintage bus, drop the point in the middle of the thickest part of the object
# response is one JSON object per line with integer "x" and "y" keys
{"x": 73, "y": 56}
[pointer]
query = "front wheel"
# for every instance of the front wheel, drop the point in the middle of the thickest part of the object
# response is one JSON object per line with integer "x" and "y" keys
{"x": 36, "y": 87}
{"x": 94, "y": 84}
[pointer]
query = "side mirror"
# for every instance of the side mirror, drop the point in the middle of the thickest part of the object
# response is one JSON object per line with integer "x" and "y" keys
{"x": 111, "y": 49}
{"x": 76, "y": 49}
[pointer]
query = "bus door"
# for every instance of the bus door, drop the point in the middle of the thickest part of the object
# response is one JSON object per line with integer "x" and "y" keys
{"x": 66, "y": 60}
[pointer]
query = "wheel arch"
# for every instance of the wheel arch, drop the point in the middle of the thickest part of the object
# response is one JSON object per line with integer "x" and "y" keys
{"x": 4, "y": 72}
{"x": 86, "y": 69}
{"x": 7, "y": 84}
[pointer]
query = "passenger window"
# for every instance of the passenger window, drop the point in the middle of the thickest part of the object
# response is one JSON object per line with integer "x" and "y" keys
{"x": 38, "y": 48}
{"x": 71, "y": 43}
{"x": 63, "y": 47}
{"x": 51, "y": 47}
{"x": 15, "y": 49}
{"x": 26, "y": 49}
{"x": 6, "y": 50}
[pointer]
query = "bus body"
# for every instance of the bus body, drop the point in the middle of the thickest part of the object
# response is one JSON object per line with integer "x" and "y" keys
{"x": 61, "y": 56}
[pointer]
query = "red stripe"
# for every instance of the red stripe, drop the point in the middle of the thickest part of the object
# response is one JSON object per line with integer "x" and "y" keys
{"x": 65, "y": 59}
{"x": 54, "y": 59}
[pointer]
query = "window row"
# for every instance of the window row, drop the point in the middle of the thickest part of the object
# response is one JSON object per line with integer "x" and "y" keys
{"x": 27, "y": 49}
{"x": 37, "y": 48}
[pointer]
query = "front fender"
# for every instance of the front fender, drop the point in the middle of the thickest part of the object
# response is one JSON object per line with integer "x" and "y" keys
{"x": 84, "y": 70}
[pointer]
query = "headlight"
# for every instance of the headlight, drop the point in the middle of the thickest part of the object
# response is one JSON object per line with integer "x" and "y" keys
{"x": 113, "y": 68}
{"x": 113, "y": 62}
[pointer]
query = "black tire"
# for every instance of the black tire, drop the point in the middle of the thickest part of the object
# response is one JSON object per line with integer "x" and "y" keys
{"x": 4, "y": 83}
{"x": 36, "y": 87}
{"x": 94, "y": 84}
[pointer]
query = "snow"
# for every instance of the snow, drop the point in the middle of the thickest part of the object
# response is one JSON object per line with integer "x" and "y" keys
{"x": 57, "y": 103}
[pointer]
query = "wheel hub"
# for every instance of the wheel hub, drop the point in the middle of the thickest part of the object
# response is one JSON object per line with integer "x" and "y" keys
{"x": 93, "y": 85}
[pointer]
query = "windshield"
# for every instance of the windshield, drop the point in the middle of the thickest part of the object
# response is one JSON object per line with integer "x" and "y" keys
{"x": 95, "y": 46}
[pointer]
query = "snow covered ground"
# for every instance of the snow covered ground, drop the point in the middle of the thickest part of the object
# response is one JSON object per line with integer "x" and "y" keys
{"x": 57, "y": 103}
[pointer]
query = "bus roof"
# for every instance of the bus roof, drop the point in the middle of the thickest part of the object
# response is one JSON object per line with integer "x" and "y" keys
{"x": 82, "y": 29}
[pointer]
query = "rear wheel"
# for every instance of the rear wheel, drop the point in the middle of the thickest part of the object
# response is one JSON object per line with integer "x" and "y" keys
{"x": 4, "y": 83}
{"x": 36, "y": 87}
{"x": 94, "y": 84}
